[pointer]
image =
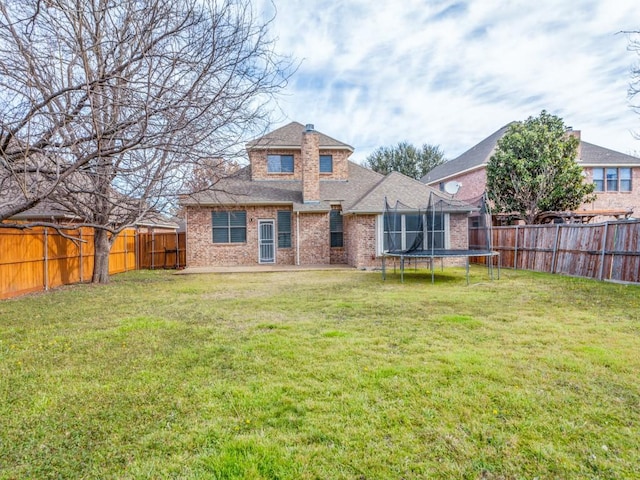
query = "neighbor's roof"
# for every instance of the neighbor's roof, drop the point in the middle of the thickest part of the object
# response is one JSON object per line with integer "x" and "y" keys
{"x": 479, "y": 155}
{"x": 472, "y": 159}
{"x": 592, "y": 156}
{"x": 290, "y": 136}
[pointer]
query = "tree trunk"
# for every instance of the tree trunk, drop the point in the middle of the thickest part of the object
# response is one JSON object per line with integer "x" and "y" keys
{"x": 102, "y": 248}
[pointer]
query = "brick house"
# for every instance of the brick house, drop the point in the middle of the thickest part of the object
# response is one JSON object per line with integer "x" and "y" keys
{"x": 301, "y": 201}
{"x": 616, "y": 175}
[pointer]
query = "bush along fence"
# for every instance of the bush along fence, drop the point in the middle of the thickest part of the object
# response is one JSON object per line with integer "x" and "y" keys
{"x": 602, "y": 251}
{"x": 40, "y": 258}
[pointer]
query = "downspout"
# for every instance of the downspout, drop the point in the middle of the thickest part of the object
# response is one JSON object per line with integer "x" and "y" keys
{"x": 298, "y": 238}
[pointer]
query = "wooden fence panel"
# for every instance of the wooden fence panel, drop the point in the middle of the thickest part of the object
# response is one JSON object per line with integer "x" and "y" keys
{"x": 605, "y": 251}
{"x": 21, "y": 262}
{"x": 40, "y": 258}
{"x": 161, "y": 250}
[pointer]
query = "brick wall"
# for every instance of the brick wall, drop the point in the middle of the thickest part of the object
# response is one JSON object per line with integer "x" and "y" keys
{"x": 616, "y": 200}
{"x": 340, "y": 165}
{"x": 473, "y": 183}
{"x": 201, "y": 251}
{"x": 258, "y": 159}
{"x": 360, "y": 241}
{"x": 314, "y": 239}
{"x": 458, "y": 232}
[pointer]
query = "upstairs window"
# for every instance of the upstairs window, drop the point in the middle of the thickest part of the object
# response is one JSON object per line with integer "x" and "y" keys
{"x": 625, "y": 179}
{"x": 598, "y": 179}
{"x": 326, "y": 163}
{"x": 612, "y": 179}
{"x": 229, "y": 227}
{"x": 280, "y": 163}
{"x": 284, "y": 229}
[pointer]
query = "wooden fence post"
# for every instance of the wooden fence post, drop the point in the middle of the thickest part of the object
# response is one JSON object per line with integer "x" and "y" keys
{"x": 554, "y": 256}
{"x": 515, "y": 253}
{"x": 46, "y": 258}
{"x": 81, "y": 262}
{"x": 604, "y": 250}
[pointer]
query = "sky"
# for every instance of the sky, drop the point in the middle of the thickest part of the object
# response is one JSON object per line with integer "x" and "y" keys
{"x": 450, "y": 73}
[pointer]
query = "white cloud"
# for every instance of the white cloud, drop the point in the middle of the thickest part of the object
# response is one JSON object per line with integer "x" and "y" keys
{"x": 451, "y": 73}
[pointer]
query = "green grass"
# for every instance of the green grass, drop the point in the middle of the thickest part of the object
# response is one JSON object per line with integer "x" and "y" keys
{"x": 322, "y": 375}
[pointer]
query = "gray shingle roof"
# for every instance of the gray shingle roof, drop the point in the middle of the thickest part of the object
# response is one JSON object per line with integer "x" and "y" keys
{"x": 593, "y": 155}
{"x": 479, "y": 155}
{"x": 473, "y": 158}
{"x": 290, "y": 136}
{"x": 241, "y": 190}
{"x": 411, "y": 193}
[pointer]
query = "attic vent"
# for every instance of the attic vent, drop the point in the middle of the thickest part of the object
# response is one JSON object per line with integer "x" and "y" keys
{"x": 308, "y": 127}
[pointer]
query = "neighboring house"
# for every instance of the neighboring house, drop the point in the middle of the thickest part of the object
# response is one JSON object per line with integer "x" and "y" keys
{"x": 47, "y": 211}
{"x": 616, "y": 175}
{"x": 301, "y": 201}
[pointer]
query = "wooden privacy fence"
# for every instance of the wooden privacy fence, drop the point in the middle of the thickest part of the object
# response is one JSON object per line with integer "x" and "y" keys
{"x": 603, "y": 251}
{"x": 40, "y": 258}
{"x": 162, "y": 250}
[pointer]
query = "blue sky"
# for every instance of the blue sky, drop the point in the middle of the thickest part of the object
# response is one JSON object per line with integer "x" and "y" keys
{"x": 450, "y": 73}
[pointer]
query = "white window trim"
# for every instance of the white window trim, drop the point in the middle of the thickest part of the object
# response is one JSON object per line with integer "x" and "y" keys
{"x": 380, "y": 232}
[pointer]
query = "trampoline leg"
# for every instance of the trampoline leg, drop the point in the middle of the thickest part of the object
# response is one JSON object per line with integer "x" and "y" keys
{"x": 467, "y": 271}
{"x": 401, "y": 269}
{"x": 432, "y": 272}
{"x": 384, "y": 274}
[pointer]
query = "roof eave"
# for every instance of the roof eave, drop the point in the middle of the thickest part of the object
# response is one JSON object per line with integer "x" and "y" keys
{"x": 348, "y": 148}
{"x": 453, "y": 175}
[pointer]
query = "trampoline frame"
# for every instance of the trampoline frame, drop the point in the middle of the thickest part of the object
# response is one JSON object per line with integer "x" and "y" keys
{"x": 432, "y": 254}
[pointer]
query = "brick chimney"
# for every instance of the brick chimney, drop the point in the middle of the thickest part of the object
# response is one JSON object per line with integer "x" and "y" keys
{"x": 576, "y": 133}
{"x": 310, "y": 165}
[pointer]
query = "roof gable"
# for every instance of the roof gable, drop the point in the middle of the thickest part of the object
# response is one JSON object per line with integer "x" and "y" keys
{"x": 394, "y": 187}
{"x": 290, "y": 136}
{"x": 475, "y": 157}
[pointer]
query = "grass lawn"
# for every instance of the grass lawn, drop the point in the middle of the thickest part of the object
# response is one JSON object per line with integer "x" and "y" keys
{"x": 322, "y": 375}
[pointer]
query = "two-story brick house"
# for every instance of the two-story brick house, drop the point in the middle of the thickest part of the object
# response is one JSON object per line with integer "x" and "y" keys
{"x": 616, "y": 175}
{"x": 301, "y": 201}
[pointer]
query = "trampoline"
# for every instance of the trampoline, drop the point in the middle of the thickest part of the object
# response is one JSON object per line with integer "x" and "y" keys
{"x": 422, "y": 231}
{"x": 440, "y": 254}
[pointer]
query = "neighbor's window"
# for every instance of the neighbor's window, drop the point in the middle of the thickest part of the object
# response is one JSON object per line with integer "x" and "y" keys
{"x": 598, "y": 179}
{"x": 612, "y": 179}
{"x": 280, "y": 163}
{"x": 625, "y": 179}
{"x": 326, "y": 163}
{"x": 402, "y": 231}
{"x": 229, "y": 227}
{"x": 335, "y": 226}
{"x": 284, "y": 229}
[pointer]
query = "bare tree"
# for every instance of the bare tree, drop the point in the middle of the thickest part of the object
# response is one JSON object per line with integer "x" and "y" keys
{"x": 107, "y": 107}
{"x": 634, "y": 86}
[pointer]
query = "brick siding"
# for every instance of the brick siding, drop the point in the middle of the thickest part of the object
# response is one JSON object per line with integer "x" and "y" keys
{"x": 258, "y": 160}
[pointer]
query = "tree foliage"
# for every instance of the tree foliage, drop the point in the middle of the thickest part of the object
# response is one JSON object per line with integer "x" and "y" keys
{"x": 534, "y": 169}
{"x": 405, "y": 158}
{"x": 107, "y": 107}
